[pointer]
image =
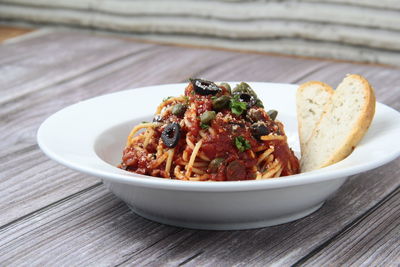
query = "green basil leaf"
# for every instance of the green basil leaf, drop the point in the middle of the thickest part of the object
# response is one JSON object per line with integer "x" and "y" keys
{"x": 242, "y": 144}
{"x": 237, "y": 107}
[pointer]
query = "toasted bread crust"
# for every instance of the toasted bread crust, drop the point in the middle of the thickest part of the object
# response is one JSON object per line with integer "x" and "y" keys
{"x": 351, "y": 139}
{"x": 362, "y": 124}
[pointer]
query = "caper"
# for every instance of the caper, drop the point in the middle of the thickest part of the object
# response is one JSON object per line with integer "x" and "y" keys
{"x": 272, "y": 114}
{"x": 244, "y": 88}
{"x": 221, "y": 102}
{"x": 226, "y": 85}
{"x": 259, "y": 103}
{"x": 179, "y": 109}
{"x": 214, "y": 165}
{"x": 207, "y": 117}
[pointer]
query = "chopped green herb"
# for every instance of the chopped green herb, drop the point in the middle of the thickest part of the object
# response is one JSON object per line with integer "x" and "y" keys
{"x": 192, "y": 92}
{"x": 213, "y": 97}
{"x": 165, "y": 99}
{"x": 204, "y": 126}
{"x": 241, "y": 143}
{"x": 144, "y": 121}
{"x": 237, "y": 107}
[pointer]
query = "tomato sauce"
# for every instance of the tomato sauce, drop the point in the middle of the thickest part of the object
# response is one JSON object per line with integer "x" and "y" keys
{"x": 229, "y": 137}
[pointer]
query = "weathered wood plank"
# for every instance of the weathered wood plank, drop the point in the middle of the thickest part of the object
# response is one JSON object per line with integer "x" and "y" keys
{"x": 32, "y": 182}
{"x": 54, "y": 58}
{"x": 141, "y": 70}
{"x": 282, "y": 245}
{"x": 289, "y": 27}
{"x": 75, "y": 222}
{"x": 7, "y": 32}
{"x": 93, "y": 227}
{"x": 372, "y": 241}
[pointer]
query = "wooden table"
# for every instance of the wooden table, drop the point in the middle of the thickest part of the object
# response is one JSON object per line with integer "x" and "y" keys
{"x": 51, "y": 215}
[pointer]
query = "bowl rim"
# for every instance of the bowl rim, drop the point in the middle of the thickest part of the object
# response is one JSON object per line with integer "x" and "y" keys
{"x": 113, "y": 174}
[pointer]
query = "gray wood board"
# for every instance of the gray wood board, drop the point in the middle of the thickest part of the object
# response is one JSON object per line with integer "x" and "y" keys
{"x": 29, "y": 180}
{"x": 144, "y": 64}
{"x": 94, "y": 227}
{"x": 374, "y": 240}
{"x": 51, "y": 214}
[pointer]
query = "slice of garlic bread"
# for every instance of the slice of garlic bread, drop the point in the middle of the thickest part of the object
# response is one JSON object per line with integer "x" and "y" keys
{"x": 342, "y": 125}
{"x": 312, "y": 99}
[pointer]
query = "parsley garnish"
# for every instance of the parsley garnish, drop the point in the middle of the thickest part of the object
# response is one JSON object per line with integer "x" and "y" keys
{"x": 237, "y": 107}
{"x": 241, "y": 143}
{"x": 165, "y": 99}
{"x": 204, "y": 126}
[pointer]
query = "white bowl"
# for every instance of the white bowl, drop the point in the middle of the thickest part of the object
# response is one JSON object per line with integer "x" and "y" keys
{"x": 89, "y": 137}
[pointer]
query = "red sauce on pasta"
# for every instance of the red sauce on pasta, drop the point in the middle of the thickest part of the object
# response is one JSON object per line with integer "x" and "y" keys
{"x": 211, "y": 134}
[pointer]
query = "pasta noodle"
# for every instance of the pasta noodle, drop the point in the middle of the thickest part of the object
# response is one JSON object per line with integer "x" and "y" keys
{"x": 265, "y": 154}
{"x": 149, "y": 134}
{"x": 169, "y": 160}
{"x": 193, "y": 157}
{"x": 275, "y": 166}
{"x": 207, "y": 135}
{"x": 136, "y": 129}
{"x": 273, "y": 137}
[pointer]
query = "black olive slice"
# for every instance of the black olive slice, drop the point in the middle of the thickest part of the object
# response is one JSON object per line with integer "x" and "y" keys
{"x": 246, "y": 98}
{"x": 255, "y": 115}
{"x": 204, "y": 87}
{"x": 170, "y": 135}
{"x": 258, "y": 130}
{"x": 244, "y": 88}
{"x": 157, "y": 118}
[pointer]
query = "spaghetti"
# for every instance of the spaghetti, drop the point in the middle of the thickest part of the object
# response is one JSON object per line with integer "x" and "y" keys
{"x": 211, "y": 134}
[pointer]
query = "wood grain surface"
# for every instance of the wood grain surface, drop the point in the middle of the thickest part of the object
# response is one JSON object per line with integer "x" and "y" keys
{"x": 7, "y": 32}
{"x": 52, "y": 215}
{"x": 373, "y": 240}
